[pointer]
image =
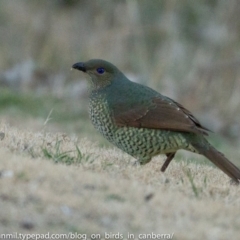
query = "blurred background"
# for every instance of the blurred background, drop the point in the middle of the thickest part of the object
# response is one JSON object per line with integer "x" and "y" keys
{"x": 187, "y": 50}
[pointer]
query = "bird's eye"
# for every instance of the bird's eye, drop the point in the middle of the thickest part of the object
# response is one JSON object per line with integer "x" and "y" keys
{"x": 100, "y": 70}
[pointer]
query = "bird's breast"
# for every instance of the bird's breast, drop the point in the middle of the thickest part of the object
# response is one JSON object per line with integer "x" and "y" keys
{"x": 100, "y": 115}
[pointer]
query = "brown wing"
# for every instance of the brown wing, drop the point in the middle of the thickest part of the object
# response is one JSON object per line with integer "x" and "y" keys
{"x": 161, "y": 113}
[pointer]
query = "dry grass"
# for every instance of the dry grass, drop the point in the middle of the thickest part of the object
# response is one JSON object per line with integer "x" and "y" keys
{"x": 102, "y": 191}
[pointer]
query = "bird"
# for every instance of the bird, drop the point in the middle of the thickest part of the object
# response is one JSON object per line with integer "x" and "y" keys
{"x": 142, "y": 122}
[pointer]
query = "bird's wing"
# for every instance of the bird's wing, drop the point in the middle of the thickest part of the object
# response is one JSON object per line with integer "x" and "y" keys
{"x": 159, "y": 113}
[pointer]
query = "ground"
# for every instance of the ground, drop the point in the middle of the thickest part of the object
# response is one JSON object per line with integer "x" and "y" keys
{"x": 52, "y": 182}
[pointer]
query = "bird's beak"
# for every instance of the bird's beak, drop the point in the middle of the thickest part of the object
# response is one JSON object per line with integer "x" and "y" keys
{"x": 79, "y": 66}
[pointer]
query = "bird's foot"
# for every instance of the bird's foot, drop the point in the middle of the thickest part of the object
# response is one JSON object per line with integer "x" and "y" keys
{"x": 136, "y": 163}
{"x": 235, "y": 182}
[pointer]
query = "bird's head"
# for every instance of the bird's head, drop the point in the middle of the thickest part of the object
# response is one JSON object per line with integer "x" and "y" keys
{"x": 100, "y": 73}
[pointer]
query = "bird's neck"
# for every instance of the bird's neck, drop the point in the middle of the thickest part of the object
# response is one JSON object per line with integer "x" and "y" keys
{"x": 96, "y": 85}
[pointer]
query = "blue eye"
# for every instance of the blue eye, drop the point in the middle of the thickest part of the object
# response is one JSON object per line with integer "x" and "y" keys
{"x": 100, "y": 70}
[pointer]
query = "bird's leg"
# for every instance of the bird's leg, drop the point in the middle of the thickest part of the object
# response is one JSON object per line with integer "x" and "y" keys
{"x": 169, "y": 158}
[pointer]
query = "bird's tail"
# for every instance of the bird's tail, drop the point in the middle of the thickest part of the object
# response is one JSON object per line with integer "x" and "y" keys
{"x": 219, "y": 160}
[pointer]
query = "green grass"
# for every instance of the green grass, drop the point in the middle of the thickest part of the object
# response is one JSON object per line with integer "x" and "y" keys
{"x": 25, "y": 103}
{"x": 57, "y": 155}
{"x": 32, "y": 105}
{"x": 190, "y": 177}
